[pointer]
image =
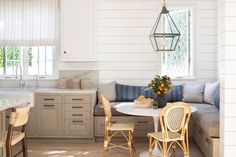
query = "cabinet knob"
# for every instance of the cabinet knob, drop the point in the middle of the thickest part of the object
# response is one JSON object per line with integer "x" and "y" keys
{"x": 64, "y": 52}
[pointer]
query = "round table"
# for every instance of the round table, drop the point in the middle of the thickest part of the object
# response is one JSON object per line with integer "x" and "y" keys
{"x": 130, "y": 109}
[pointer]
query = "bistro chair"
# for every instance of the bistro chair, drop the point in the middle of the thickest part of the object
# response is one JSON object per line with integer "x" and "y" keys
{"x": 18, "y": 118}
{"x": 174, "y": 119}
{"x": 126, "y": 129}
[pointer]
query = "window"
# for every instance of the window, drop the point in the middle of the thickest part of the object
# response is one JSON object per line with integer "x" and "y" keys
{"x": 28, "y": 37}
{"x": 178, "y": 63}
{"x": 37, "y": 60}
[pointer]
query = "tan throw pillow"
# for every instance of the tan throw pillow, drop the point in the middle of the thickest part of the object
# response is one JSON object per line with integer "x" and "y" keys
{"x": 210, "y": 91}
{"x": 193, "y": 92}
{"x": 108, "y": 90}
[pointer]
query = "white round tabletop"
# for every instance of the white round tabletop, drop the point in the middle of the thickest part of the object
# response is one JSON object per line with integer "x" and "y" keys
{"x": 130, "y": 109}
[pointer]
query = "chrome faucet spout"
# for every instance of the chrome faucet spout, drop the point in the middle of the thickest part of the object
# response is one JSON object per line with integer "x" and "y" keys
{"x": 22, "y": 83}
{"x": 36, "y": 81}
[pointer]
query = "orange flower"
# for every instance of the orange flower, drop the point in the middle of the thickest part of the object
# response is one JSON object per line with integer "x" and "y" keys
{"x": 162, "y": 85}
{"x": 158, "y": 92}
{"x": 160, "y": 88}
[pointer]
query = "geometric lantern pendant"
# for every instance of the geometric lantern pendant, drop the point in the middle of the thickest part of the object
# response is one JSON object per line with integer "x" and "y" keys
{"x": 164, "y": 35}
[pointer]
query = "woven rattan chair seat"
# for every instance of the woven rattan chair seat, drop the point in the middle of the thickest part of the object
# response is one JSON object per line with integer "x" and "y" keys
{"x": 121, "y": 126}
{"x": 16, "y": 137}
{"x": 173, "y": 136}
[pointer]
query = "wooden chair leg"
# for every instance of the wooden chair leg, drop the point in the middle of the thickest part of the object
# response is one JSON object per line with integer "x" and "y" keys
{"x": 186, "y": 152}
{"x": 150, "y": 147}
{"x": 106, "y": 140}
{"x": 9, "y": 151}
{"x": 165, "y": 152}
{"x": 132, "y": 138}
{"x": 24, "y": 147}
{"x": 130, "y": 147}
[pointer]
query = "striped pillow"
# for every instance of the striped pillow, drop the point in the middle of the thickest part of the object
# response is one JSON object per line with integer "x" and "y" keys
{"x": 176, "y": 94}
{"x": 129, "y": 93}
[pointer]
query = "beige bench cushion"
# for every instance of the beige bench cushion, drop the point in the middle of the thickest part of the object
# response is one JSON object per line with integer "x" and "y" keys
{"x": 207, "y": 117}
{"x": 98, "y": 111}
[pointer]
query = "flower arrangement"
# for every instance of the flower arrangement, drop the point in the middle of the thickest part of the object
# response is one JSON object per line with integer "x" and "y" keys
{"x": 161, "y": 84}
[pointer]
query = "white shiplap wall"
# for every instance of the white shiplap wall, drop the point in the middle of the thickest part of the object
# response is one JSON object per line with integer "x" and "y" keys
{"x": 123, "y": 47}
{"x": 227, "y": 58}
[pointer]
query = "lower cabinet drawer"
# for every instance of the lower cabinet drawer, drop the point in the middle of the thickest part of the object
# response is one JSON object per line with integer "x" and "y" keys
{"x": 77, "y": 115}
{"x": 77, "y": 107}
{"x": 143, "y": 125}
{"x": 79, "y": 128}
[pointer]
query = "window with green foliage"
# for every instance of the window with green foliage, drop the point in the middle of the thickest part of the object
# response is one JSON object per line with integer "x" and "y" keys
{"x": 36, "y": 60}
{"x": 177, "y": 63}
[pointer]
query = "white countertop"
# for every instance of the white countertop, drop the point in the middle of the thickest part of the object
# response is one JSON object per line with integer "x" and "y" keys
{"x": 45, "y": 90}
{"x": 12, "y": 103}
{"x": 56, "y": 90}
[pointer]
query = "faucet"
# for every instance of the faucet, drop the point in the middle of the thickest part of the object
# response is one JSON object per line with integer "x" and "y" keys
{"x": 22, "y": 83}
{"x": 36, "y": 81}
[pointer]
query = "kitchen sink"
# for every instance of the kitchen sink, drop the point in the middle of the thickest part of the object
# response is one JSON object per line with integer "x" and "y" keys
{"x": 18, "y": 93}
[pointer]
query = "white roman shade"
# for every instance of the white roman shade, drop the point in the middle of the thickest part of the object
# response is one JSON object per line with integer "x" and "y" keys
{"x": 28, "y": 22}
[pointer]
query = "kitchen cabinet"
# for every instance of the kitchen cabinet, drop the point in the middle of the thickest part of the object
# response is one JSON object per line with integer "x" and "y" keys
{"x": 78, "y": 115}
{"x": 77, "y": 32}
{"x": 65, "y": 115}
{"x": 49, "y": 115}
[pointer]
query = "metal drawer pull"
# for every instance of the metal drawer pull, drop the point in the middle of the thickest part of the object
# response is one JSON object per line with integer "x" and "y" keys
{"x": 77, "y": 106}
{"x": 77, "y": 99}
{"x": 49, "y": 99}
{"x": 113, "y": 121}
{"x": 77, "y": 121}
{"x": 49, "y": 105}
{"x": 141, "y": 122}
{"x": 77, "y": 114}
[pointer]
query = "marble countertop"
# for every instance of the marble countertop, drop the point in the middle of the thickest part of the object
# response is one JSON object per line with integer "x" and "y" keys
{"x": 6, "y": 103}
{"x": 56, "y": 90}
{"x": 45, "y": 90}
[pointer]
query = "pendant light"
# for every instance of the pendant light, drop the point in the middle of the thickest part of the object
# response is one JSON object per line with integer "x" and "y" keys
{"x": 164, "y": 35}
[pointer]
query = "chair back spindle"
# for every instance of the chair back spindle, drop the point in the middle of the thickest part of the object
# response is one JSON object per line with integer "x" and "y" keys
{"x": 107, "y": 110}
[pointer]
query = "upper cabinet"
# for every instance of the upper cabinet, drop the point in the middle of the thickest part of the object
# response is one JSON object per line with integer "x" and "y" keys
{"x": 77, "y": 30}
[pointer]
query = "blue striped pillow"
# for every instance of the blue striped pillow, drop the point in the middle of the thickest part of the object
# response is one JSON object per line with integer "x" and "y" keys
{"x": 176, "y": 94}
{"x": 129, "y": 93}
{"x": 217, "y": 99}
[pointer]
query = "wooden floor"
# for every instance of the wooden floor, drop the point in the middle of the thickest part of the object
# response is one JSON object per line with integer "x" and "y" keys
{"x": 47, "y": 148}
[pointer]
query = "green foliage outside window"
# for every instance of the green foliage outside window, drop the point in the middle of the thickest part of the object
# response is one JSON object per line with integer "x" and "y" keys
{"x": 13, "y": 56}
{"x": 177, "y": 62}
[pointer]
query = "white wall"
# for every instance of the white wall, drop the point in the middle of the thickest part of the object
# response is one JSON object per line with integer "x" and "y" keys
{"x": 227, "y": 51}
{"x": 123, "y": 47}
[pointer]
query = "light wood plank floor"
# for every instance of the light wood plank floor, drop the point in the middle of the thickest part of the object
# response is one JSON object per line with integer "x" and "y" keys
{"x": 40, "y": 148}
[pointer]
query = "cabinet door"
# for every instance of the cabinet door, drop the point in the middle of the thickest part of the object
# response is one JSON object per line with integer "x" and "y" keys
{"x": 49, "y": 120}
{"x": 77, "y": 30}
{"x": 78, "y": 128}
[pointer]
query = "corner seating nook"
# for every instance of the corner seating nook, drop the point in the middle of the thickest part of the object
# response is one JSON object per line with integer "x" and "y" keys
{"x": 203, "y": 125}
